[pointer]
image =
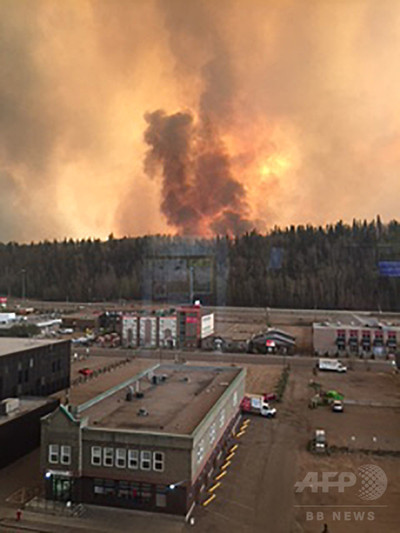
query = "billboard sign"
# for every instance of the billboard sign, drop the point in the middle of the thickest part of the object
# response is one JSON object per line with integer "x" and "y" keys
{"x": 390, "y": 269}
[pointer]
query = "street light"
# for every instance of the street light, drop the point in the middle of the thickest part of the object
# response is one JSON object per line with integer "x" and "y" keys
{"x": 172, "y": 486}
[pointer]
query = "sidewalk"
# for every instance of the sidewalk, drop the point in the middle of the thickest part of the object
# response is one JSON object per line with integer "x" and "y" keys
{"x": 95, "y": 519}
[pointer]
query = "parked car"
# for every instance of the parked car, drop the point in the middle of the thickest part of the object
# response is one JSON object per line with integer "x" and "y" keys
{"x": 86, "y": 371}
{"x": 337, "y": 406}
{"x": 319, "y": 441}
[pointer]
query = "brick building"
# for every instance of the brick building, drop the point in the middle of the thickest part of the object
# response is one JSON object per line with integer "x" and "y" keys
{"x": 151, "y": 443}
{"x": 368, "y": 339}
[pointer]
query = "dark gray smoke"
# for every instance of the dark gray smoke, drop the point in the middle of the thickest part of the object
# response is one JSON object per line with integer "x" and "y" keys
{"x": 199, "y": 193}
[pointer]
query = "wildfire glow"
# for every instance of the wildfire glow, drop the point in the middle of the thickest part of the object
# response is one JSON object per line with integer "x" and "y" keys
{"x": 275, "y": 165}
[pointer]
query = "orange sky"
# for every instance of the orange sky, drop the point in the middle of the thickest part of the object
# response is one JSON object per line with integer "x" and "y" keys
{"x": 304, "y": 95}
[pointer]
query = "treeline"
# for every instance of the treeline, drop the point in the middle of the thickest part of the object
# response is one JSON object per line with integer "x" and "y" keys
{"x": 332, "y": 267}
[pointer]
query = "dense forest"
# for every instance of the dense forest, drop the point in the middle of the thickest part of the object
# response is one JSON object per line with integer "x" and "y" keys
{"x": 329, "y": 267}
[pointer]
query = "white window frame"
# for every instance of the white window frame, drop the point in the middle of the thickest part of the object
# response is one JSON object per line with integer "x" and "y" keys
{"x": 54, "y": 454}
{"x": 200, "y": 451}
{"x": 145, "y": 456}
{"x": 133, "y": 459}
{"x": 108, "y": 457}
{"x": 213, "y": 432}
{"x": 65, "y": 454}
{"x": 95, "y": 458}
{"x": 222, "y": 418}
{"x": 120, "y": 458}
{"x": 158, "y": 463}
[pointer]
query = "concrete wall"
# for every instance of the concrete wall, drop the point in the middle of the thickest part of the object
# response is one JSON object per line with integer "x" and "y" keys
{"x": 219, "y": 417}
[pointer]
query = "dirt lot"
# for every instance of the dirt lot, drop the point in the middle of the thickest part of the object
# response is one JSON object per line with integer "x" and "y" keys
{"x": 370, "y": 419}
{"x": 261, "y": 379}
{"x": 360, "y": 426}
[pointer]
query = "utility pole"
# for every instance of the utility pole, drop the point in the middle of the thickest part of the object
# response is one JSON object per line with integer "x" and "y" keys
{"x": 191, "y": 284}
{"x": 23, "y": 272}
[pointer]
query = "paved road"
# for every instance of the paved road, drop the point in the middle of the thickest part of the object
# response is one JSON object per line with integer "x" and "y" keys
{"x": 197, "y": 355}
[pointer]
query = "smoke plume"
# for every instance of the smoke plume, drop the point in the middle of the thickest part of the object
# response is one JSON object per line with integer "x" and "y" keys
{"x": 199, "y": 192}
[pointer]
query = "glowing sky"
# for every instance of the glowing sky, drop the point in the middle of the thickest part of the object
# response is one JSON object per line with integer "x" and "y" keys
{"x": 303, "y": 97}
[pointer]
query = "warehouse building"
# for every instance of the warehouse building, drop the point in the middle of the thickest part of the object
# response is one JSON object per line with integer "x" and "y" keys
{"x": 20, "y": 425}
{"x": 365, "y": 337}
{"x": 151, "y": 443}
{"x": 33, "y": 367}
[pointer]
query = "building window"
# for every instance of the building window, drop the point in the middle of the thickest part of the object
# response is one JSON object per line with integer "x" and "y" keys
{"x": 108, "y": 457}
{"x": 145, "y": 460}
{"x": 31, "y": 362}
{"x": 222, "y": 418}
{"x": 65, "y": 455}
{"x": 109, "y": 487}
{"x": 133, "y": 459}
{"x": 98, "y": 486}
{"x": 200, "y": 451}
{"x": 53, "y": 453}
{"x": 123, "y": 489}
{"x": 158, "y": 461}
{"x": 161, "y": 496}
{"x": 213, "y": 432}
{"x": 96, "y": 455}
{"x": 145, "y": 492}
{"x": 120, "y": 458}
{"x": 235, "y": 399}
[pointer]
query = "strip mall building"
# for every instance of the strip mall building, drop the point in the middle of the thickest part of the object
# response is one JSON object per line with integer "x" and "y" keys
{"x": 150, "y": 443}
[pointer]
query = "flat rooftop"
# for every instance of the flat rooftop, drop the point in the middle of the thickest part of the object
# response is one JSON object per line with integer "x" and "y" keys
{"x": 10, "y": 345}
{"x": 26, "y": 405}
{"x": 103, "y": 382}
{"x": 176, "y": 405}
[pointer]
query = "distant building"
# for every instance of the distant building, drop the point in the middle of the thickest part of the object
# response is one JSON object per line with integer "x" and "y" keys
{"x": 151, "y": 443}
{"x": 368, "y": 338}
{"x": 33, "y": 367}
{"x": 272, "y": 341}
{"x": 183, "y": 328}
{"x": 82, "y": 321}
